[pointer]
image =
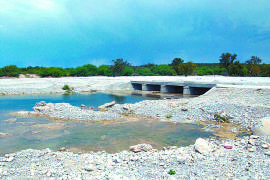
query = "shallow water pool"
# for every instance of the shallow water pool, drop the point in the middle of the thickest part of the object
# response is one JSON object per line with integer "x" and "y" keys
{"x": 111, "y": 136}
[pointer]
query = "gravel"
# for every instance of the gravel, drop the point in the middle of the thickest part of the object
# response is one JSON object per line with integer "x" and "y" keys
{"x": 246, "y": 107}
{"x": 238, "y": 162}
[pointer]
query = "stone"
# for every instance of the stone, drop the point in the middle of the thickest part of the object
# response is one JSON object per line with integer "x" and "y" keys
{"x": 252, "y": 142}
{"x": 181, "y": 160}
{"x": 243, "y": 141}
{"x": 82, "y": 105}
{"x": 4, "y": 134}
{"x": 253, "y": 149}
{"x": 265, "y": 146}
{"x": 41, "y": 103}
{"x": 141, "y": 147}
{"x": 5, "y": 173}
{"x": 9, "y": 159}
{"x": 161, "y": 164}
{"x": 254, "y": 137}
{"x": 103, "y": 137}
{"x": 202, "y": 146}
{"x": 49, "y": 174}
{"x": 116, "y": 160}
{"x": 62, "y": 149}
{"x": 105, "y": 106}
{"x": 90, "y": 168}
{"x": 184, "y": 109}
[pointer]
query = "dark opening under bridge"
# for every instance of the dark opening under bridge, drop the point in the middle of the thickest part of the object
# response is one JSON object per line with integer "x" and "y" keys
{"x": 194, "y": 88}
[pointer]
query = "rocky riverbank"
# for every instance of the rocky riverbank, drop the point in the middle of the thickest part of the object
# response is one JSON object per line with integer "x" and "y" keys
{"x": 246, "y": 107}
{"x": 66, "y": 111}
{"x": 246, "y": 158}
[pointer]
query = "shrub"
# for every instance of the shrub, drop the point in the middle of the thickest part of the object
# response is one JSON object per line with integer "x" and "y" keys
{"x": 66, "y": 87}
{"x": 171, "y": 172}
{"x": 220, "y": 118}
{"x": 68, "y": 90}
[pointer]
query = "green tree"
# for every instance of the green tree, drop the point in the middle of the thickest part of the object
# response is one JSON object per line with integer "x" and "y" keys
{"x": 149, "y": 65}
{"x": 187, "y": 69}
{"x": 265, "y": 70}
{"x": 164, "y": 69}
{"x": 226, "y": 59}
{"x": 91, "y": 69}
{"x": 11, "y": 71}
{"x": 101, "y": 69}
{"x": 119, "y": 67}
{"x": 1, "y": 72}
{"x": 204, "y": 70}
{"x": 219, "y": 71}
{"x": 144, "y": 72}
{"x": 176, "y": 64}
{"x": 237, "y": 69}
{"x": 128, "y": 71}
{"x": 253, "y": 66}
{"x": 81, "y": 71}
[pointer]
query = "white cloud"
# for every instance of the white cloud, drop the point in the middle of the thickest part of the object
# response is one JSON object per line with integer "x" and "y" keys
{"x": 30, "y": 7}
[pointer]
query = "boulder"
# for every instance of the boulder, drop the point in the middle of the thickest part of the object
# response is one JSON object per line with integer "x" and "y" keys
{"x": 82, "y": 105}
{"x": 4, "y": 134}
{"x": 265, "y": 146}
{"x": 202, "y": 146}
{"x": 42, "y": 106}
{"x": 107, "y": 105}
{"x": 62, "y": 149}
{"x": 141, "y": 147}
{"x": 41, "y": 103}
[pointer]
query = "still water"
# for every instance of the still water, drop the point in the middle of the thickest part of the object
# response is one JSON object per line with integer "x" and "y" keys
{"x": 113, "y": 136}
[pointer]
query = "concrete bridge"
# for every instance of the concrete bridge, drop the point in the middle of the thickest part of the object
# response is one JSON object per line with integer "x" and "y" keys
{"x": 186, "y": 87}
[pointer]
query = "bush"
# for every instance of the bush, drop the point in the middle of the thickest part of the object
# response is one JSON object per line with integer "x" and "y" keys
{"x": 105, "y": 70}
{"x": 220, "y": 118}
{"x": 164, "y": 69}
{"x": 144, "y": 72}
{"x": 10, "y": 71}
{"x": 66, "y": 87}
{"x": 171, "y": 172}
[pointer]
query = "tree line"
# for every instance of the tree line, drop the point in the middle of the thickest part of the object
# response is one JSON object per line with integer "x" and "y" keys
{"x": 228, "y": 65}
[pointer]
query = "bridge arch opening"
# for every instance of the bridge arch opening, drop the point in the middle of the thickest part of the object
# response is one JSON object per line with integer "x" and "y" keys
{"x": 152, "y": 87}
{"x": 173, "y": 89}
{"x": 137, "y": 86}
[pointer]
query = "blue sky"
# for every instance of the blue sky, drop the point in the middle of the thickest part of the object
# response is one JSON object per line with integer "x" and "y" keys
{"x": 70, "y": 33}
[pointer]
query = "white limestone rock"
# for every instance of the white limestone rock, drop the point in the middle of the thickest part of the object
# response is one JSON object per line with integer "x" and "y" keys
{"x": 202, "y": 146}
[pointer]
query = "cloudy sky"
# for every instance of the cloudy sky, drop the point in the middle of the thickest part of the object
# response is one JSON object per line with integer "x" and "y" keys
{"x": 71, "y": 33}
